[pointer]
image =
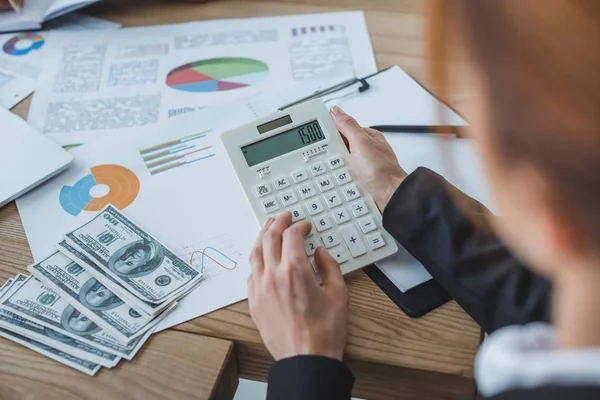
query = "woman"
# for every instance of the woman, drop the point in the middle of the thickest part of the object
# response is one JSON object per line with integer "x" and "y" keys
{"x": 534, "y": 119}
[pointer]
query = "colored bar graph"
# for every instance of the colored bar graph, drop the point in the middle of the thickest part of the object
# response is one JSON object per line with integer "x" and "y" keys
{"x": 176, "y": 153}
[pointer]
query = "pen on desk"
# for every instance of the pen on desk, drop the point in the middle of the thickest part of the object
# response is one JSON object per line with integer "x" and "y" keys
{"x": 439, "y": 129}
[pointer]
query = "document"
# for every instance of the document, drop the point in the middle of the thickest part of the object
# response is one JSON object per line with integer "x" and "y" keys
{"x": 24, "y": 54}
{"x": 179, "y": 184}
{"x": 135, "y": 80}
{"x": 34, "y": 12}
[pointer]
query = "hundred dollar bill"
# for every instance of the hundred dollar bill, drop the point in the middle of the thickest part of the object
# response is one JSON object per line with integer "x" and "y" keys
{"x": 49, "y": 337}
{"x": 98, "y": 273}
{"x": 133, "y": 257}
{"x": 38, "y": 303}
{"x": 77, "y": 287}
{"x": 79, "y": 364}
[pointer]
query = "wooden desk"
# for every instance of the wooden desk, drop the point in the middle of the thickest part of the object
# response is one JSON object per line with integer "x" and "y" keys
{"x": 391, "y": 355}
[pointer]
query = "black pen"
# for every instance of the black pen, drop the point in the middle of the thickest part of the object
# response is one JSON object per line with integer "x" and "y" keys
{"x": 438, "y": 129}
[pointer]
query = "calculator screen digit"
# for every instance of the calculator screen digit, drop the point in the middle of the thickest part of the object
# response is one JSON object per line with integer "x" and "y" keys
{"x": 282, "y": 143}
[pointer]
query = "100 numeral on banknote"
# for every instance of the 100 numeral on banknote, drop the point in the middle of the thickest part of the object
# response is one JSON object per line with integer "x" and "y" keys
{"x": 133, "y": 257}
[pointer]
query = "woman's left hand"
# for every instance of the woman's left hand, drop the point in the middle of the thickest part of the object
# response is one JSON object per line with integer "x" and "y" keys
{"x": 294, "y": 314}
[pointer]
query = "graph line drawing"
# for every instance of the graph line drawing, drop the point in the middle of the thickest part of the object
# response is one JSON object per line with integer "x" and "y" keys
{"x": 205, "y": 255}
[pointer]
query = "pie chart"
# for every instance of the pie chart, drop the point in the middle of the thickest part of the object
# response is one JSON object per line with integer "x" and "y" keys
{"x": 217, "y": 74}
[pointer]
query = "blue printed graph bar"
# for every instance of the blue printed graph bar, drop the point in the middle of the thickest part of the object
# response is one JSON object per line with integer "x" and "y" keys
{"x": 176, "y": 153}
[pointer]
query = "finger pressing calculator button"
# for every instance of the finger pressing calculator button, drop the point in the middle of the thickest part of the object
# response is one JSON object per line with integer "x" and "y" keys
{"x": 367, "y": 224}
{"x": 315, "y": 207}
{"x": 375, "y": 241}
{"x": 333, "y": 199}
{"x": 332, "y": 239}
{"x": 297, "y": 214}
{"x": 336, "y": 162}
{"x": 351, "y": 192}
{"x": 300, "y": 176}
{"x": 318, "y": 169}
{"x": 325, "y": 183}
{"x": 322, "y": 224}
{"x": 341, "y": 216}
{"x": 270, "y": 205}
{"x": 281, "y": 183}
{"x": 288, "y": 198}
{"x": 310, "y": 245}
{"x": 263, "y": 189}
{"x": 307, "y": 190}
{"x": 340, "y": 254}
{"x": 359, "y": 208}
{"x": 343, "y": 176}
{"x": 353, "y": 240}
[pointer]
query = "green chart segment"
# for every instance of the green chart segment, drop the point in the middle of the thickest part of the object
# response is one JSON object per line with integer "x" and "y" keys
{"x": 217, "y": 74}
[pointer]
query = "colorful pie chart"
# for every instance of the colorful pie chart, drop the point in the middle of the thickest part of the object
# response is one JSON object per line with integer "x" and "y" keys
{"x": 23, "y": 43}
{"x": 217, "y": 74}
{"x": 123, "y": 186}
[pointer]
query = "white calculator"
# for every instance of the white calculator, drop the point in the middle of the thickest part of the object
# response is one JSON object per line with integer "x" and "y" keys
{"x": 296, "y": 161}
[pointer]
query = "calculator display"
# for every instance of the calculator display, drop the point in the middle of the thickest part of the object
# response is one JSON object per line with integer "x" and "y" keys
{"x": 282, "y": 143}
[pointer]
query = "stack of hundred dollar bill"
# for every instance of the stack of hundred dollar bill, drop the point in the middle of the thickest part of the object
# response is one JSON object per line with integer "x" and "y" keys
{"x": 99, "y": 297}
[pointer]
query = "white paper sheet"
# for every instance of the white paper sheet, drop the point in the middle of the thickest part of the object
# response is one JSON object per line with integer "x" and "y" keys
{"x": 396, "y": 99}
{"x": 20, "y": 65}
{"x": 197, "y": 208}
{"x": 128, "y": 81}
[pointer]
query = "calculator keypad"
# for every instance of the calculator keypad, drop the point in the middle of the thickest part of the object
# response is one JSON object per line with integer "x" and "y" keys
{"x": 325, "y": 194}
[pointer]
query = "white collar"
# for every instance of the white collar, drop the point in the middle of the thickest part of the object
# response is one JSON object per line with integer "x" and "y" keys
{"x": 519, "y": 357}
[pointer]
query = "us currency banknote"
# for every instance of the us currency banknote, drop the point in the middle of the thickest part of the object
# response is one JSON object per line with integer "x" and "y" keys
{"x": 90, "y": 297}
{"x": 38, "y": 303}
{"x": 133, "y": 257}
{"x": 49, "y": 337}
{"x": 84, "y": 365}
{"x": 99, "y": 274}
{"x": 79, "y": 364}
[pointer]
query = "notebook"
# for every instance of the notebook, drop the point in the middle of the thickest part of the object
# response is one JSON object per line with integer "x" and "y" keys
{"x": 35, "y": 12}
{"x": 27, "y": 158}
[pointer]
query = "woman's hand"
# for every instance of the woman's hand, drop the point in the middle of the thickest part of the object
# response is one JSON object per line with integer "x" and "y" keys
{"x": 294, "y": 314}
{"x": 371, "y": 158}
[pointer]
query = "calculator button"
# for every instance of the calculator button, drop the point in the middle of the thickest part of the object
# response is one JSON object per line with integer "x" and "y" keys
{"x": 318, "y": 169}
{"x": 332, "y": 239}
{"x": 343, "y": 176}
{"x": 341, "y": 216}
{"x": 307, "y": 190}
{"x": 333, "y": 199}
{"x": 375, "y": 241}
{"x": 325, "y": 183}
{"x": 270, "y": 205}
{"x": 367, "y": 224}
{"x": 310, "y": 245}
{"x": 353, "y": 241}
{"x": 340, "y": 254}
{"x": 359, "y": 208}
{"x": 336, "y": 162}
{"x": 315, "y": 207}
{"x": 322, "y": 224}
{"x": 288, "y": 198}
{"x": 297, "y": 214}
{"x": 263, "y": 189}
{"x": 351, "y": 192}
{"x": 300, "y": 176}
{"x": 281, "y": 183}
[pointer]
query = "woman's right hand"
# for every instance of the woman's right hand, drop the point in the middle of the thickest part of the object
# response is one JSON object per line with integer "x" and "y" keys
{"x": 371, "y": 158}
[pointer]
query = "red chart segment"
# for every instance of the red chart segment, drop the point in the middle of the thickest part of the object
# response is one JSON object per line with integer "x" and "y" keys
{"x": 186, "y": 76}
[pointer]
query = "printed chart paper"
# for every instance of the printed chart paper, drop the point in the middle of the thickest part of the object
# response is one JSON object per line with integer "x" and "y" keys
{"x": 135, "y": 80}
{"x": 23, "y": 54}
{"x": 178, "y": 184}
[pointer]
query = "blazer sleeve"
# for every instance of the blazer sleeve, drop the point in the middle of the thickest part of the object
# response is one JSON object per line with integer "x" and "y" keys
{"x": 309, "y": 378}
{"x": 472, "y": 265}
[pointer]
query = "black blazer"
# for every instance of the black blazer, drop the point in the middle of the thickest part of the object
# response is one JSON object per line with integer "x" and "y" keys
{"x": 474, "y": 267}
